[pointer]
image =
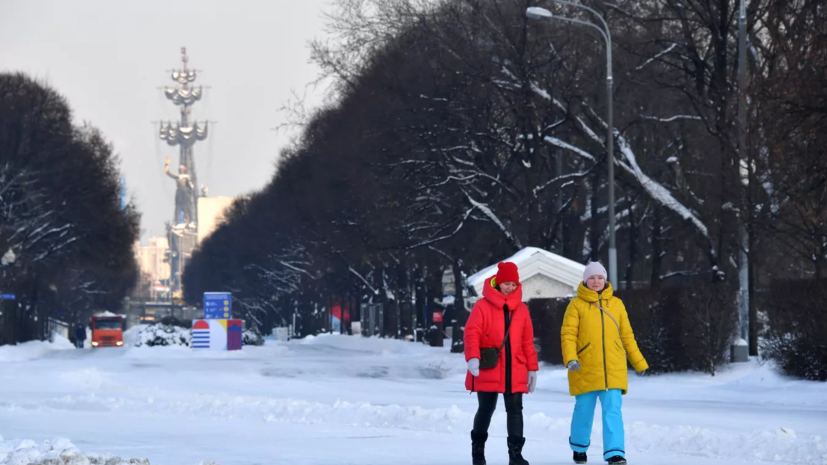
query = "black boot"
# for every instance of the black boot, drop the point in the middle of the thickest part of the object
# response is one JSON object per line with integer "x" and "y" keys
{"x": 617, "y": 460}
{"x": 478, "y": 448}
{"x": 515, "y": 451}
{"x": 580, "y": 457}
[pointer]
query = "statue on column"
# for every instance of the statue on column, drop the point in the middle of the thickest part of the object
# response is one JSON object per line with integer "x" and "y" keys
{"x": 183, "y": 194}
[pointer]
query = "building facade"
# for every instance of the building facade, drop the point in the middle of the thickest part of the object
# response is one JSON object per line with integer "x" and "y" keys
{"x": 210, "y": 214}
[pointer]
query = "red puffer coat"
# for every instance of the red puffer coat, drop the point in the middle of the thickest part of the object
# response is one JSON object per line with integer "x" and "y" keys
{"x": 486, "y": 328}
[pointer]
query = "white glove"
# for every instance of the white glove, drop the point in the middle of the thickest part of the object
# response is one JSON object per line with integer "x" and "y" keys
{"x": 573, "y": 365}
{"x": 532, "y": 380}
{"x": 474, "y": 366}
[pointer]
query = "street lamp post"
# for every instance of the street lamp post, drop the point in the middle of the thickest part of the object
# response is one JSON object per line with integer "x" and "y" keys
{"x": 743, "y": 217}
{"x": 542, "y": 13}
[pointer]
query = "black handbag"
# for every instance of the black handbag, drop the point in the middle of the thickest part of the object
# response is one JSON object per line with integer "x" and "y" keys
{"x": 489, "y": 356}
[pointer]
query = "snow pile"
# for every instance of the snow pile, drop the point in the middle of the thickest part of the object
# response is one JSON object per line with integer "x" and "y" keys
{"x": 364, "y": 414}
{"x": 368, "y": 345}
{"x": 107, "y": 313}
{"x": 251, "y": 338}
{"x": 57, "y": 452}
{"x": 160, "y": 334}
{"x": 8, "y": 258}
{"x": 132, "y": 336}
{"x": 33, "y": 349}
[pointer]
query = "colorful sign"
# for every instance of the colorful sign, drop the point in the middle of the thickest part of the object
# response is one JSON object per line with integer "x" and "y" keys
{"x": 437, "y": 317}
{"x": 200, "y": 334}
{"x": 218, "y": 305}
{"x": 209, "y": 334}
{"x": 234, "y": 334}
{"x": 217, "y": 334}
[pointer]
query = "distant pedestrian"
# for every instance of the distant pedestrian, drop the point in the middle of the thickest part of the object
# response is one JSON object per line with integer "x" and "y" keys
{"x": 597, "y": 340}
{"x": 499, "y": 349}
{"x": 80, "y": 334}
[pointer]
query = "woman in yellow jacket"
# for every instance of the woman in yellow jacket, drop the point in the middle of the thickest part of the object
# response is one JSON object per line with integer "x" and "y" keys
{"x": 597, "y": 340}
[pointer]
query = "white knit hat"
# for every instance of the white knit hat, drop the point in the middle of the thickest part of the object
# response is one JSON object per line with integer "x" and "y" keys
{"x": 594, "y": 268}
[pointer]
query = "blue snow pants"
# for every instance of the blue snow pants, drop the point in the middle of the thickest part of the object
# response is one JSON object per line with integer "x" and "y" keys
{"x": 581, "y": 422}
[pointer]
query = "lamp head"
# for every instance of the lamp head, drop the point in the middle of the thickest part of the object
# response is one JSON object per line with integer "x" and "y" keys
{"x": 536, "y": 12}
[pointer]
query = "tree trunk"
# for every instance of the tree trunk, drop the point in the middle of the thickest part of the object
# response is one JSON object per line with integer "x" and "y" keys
{"x": 34, "y": 313}
{"x": 433, "y": 295}
{"x": 753, "y": 310}
{"x": 460, "y": 316}
{"x": 403, "y": 298}
{"x": 356, "y": 309}
{"x": 657, "y": 257}
{"x": 343, "y": 302}
{"x": 566, "y": 233}
{"x": 419, "y": 298}
{"x": 630, "y": 267}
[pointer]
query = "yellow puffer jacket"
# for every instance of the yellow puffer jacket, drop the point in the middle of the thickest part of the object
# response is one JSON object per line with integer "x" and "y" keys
{"x": 600, "y": 342}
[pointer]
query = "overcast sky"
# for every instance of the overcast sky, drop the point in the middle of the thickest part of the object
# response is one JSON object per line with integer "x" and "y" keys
{"x": 109, "y": 57}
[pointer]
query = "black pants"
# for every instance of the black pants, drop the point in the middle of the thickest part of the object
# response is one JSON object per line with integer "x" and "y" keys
{"x": 513, "y": 410}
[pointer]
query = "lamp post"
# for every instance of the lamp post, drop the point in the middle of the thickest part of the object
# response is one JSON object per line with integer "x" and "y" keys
{"x": 743, "y": 217}
{"x": 542, "y": 13}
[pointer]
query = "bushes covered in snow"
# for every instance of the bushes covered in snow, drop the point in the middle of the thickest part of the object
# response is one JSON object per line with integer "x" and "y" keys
{"x": 164, "y": 334}
{"x": 171, "y": 332}
{"x": 797, "y": 328}
{"x": 252, "y": 338}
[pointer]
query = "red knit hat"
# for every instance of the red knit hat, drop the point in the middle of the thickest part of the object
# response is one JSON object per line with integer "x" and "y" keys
{"x": 507, "y": 273}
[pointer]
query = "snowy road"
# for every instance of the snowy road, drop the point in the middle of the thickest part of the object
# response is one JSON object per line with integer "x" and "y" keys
{"x": 339, "y": 399}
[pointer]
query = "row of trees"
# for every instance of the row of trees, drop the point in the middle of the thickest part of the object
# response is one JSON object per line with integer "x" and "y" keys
{"x": 459, "y": 131}
{"x": 66, "y": 241}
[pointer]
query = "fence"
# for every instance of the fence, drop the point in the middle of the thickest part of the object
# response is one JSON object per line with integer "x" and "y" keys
{"x": 58, "y": 327}
{"x": 373, "y": 320}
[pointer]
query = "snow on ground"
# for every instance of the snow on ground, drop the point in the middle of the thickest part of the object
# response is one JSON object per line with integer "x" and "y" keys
{"x": 339, "y": 399}
{"x": 33, "y": 349}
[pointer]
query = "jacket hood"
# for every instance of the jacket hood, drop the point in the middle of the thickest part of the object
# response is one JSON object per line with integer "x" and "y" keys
{"x": 592, "y": 296}
{"x": 493, "y": 295}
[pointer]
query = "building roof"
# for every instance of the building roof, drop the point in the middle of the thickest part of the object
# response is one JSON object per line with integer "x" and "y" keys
{"x": 530, "y": 262}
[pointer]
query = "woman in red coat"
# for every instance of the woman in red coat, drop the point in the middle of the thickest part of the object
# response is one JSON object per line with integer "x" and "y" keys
{"x": 516, "y": 369}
